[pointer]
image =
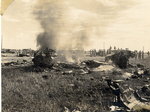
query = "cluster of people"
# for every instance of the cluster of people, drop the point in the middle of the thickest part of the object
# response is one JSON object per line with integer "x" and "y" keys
{"x": 98, "y": 53}
{"x": 141, "y": 54}
{"x": 93, "y": 52}
{"x": 103, "y": 53}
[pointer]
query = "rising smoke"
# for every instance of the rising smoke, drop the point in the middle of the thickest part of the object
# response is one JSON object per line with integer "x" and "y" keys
{"x": 70, "y": 24}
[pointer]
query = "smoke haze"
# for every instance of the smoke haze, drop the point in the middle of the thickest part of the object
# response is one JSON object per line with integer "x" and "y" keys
{"x": 73, "y": 24}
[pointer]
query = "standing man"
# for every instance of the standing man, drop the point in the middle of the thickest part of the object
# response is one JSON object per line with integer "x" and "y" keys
{"x": 136, "y": 55}
{"x": 110, "y": 50}
{"x": 148, "y": 53}
{"x": 139, "y": 55}
{"x": 142, "y": 54}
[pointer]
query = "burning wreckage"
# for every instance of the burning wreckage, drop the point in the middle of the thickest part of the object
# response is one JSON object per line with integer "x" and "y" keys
{"x": 44, "y": 58}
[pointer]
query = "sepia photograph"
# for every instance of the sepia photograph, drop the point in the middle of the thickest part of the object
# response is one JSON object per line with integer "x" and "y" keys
{"x": 75, "y": 55}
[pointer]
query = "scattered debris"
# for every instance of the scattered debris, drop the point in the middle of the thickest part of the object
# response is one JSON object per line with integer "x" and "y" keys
{"x": 10, "y": 63}
{"x": 66, "y": 109}
{"x": 115, "y": 109}
{"x": 69, "y": 66}
{"x": 136, "y": 105}
{"x": 82, "y": 72}
{"x": 76, "y": 110}
{"x": 67, "y": 72}
{"x": 143, "y": 93}
{"x": 138, "y": 99}
{"x": 127, "y": 75}
{"x": 115, "y": 89}
{"x": 147, "y": 71}
{"x": 92, "y": 63}
{"x": 104, "y": 68}
{"x": 140, "y": 66}
{"x": 45, "y": 77}
{"x": 70, "y": 110}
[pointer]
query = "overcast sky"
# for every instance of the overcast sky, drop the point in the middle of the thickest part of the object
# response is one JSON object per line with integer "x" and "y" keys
{"x": 130, "y": 29}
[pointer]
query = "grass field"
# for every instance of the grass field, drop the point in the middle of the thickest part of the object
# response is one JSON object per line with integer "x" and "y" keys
{"x": 27, "y": 91}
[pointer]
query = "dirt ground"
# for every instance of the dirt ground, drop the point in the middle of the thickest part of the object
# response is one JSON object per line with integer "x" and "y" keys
{"x": 26, "y": 91}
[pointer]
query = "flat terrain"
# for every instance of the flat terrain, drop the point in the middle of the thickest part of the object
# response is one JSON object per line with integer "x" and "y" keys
{"x": 26, "y": 91}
